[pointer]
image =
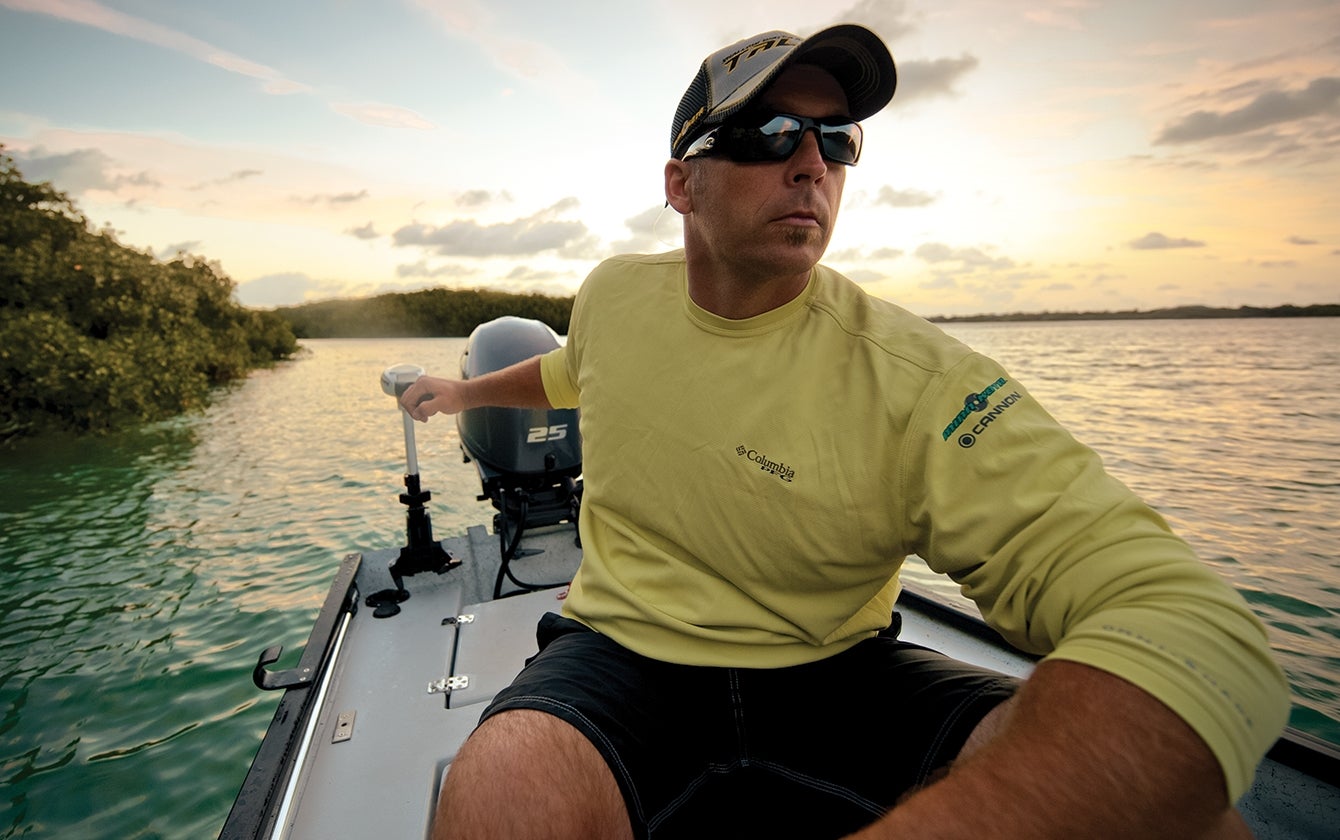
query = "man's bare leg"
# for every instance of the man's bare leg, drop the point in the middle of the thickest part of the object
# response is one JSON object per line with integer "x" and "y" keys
{"x": 527, "y": 774}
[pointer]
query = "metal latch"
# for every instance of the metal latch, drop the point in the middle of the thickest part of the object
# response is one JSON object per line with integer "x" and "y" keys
{"x": 448, "y": 685}
{"x": 468, "y": 618}
{"x": 344, "y": 727}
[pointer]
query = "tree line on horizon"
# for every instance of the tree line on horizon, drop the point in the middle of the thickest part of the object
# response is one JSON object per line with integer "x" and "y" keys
{"x": 441, "y": 313}
{"x": 96, "y": 336}
{"x": 1318, "y": 310}
{"x": 429, "y": 313}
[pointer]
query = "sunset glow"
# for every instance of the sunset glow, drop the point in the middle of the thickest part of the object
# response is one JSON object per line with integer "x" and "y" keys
{"x": 1048, "y": 155}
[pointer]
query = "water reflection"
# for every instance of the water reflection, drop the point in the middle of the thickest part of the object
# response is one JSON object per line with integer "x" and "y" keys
{"x": 144, "y": 572}
{"x": 1231, "y": 429}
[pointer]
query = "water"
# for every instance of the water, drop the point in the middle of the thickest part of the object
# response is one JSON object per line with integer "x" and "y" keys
{"x": 144, "y": 573}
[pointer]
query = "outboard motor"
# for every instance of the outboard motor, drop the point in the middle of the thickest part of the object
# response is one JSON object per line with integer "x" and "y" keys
{"x": 529, "y": 460}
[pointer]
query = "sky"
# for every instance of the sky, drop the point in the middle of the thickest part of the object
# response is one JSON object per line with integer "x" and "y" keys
{"x": 1039, "y": 155}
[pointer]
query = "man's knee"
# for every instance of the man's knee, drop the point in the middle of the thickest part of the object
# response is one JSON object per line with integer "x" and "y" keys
{"x": 523, "y": 773}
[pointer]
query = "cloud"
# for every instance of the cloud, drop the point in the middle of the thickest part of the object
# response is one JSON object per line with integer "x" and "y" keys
{"x": 969, "y": 259}
{"x": 1300, "y": 240}
{"x": 363, "y": 232}
{"x": 890, "y": 18}
{"x": 238, "y": 175}
{"x": 532, "y": 235}
{"x": 1321, "y": 96}
{"x": 644, "y": 227}
{"x": 924, "y": 78}
{"x": 939, "y": 281}
{"x": 917, "y": 78}
{"x": 904, "y": 198}
{"x": 77, "y": 171}
{"x": 531, "y": 61}
{"x": 1278, "y": 263}
{"x": 285, "y": 288}
{"x": 98, "y": 16}
{"x": 848, "y": 256}
{"x": 382, "y": 115}
{"x": 1157, "y": 241}
{"x": 171, "y": 251}
{"x": 864, "y": 276}
{"x": 479, "y": 198}
{"x": 421, "y": 268}
{"x": 82, "y": 169}
{"x": 1059, "y": 18}
{"x": 347, "y": 197}
{"x": 533, "y": 277}
{"x": 334, "y": 200}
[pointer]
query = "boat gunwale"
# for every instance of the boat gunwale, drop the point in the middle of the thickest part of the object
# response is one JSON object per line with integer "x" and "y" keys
{"x": 257, "y": 804}
{"x": 1295, "y": 748}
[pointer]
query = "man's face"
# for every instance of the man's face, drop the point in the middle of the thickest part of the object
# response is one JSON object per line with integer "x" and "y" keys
{"x": 773, "y": 218}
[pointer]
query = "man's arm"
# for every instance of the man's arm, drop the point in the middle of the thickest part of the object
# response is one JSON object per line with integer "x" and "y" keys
{"x": 517, "y": 386}
{"x": 1079, "y": 753}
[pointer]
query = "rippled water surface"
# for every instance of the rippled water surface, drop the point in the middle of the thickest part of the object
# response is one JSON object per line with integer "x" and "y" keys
{"x": 144, "y": 573}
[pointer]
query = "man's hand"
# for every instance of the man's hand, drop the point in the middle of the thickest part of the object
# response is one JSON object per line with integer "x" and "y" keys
{"x": 431, "y": 395}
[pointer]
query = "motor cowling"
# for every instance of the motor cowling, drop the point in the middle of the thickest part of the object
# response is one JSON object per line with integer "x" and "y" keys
{"x": 529, "y": 460}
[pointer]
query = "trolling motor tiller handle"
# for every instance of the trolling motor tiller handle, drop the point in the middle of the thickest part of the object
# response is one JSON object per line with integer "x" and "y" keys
{"x": 421, "y": 552}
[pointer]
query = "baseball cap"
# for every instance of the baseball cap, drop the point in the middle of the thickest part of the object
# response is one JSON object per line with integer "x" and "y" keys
{"x": 730, "y": 78}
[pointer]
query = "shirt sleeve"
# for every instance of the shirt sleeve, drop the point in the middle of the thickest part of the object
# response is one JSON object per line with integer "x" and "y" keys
{"x": 559, "y": 367}
{"x": 560, "y": 386}
{"x": 1064, "y": 560}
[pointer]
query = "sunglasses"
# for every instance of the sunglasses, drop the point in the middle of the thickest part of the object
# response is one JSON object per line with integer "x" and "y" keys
{"x": 775, "y": 137}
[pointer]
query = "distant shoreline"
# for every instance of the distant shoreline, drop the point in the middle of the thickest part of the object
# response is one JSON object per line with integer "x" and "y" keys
{"x": 1318, "y": 310}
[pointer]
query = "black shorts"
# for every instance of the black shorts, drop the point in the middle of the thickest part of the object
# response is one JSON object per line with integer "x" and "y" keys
{"x": 815, "y": 750}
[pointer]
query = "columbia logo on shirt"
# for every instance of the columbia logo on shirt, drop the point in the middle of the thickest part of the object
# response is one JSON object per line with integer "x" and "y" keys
{"x": 766, "y": 464}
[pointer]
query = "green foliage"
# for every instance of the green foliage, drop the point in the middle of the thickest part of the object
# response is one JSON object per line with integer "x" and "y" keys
{"x": 428, "y": 313}
{"x": 95, "y": 336}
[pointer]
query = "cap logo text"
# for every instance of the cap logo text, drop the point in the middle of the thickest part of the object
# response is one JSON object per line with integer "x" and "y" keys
{"x": 733, "y": 60}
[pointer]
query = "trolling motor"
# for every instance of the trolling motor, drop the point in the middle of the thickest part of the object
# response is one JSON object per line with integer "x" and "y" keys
{"x": 529, "y": 460}
{"x": 421, "y": 552}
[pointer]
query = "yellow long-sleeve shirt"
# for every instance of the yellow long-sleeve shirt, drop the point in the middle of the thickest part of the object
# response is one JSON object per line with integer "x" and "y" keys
{"x": 752, "y": 487}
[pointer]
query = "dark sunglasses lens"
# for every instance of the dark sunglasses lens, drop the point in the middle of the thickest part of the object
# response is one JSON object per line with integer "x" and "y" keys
{"x": 841, "y": 143}
{"x": 775, "y": 139}
{"x": 779, "y": 136}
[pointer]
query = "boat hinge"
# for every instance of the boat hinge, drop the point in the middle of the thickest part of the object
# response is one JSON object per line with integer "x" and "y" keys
{"x": 468, "y": 618}
{"x": 448, "y": 685}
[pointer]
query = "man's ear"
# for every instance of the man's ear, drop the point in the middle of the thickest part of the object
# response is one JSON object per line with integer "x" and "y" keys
{"x": 677, "y": 174}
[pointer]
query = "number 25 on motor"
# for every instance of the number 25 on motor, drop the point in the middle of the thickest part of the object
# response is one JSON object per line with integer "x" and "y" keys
{"x": 544, "y": 434}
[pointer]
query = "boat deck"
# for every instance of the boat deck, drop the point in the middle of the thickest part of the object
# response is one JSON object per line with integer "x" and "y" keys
{"x": 399, "y": 696}
{"x": 379, "y": 745}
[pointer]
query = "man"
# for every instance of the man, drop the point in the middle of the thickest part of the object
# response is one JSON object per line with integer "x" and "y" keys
{"x": 763, "y": 445}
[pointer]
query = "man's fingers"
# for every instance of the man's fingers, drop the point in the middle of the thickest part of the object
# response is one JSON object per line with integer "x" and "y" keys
{"x": 411, "y": 397}
{"x": 417, "y": 411}
{"x": 416, "y": 398}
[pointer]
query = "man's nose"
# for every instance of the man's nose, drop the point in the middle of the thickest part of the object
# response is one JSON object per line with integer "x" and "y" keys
{"x": 808, "y": 160}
